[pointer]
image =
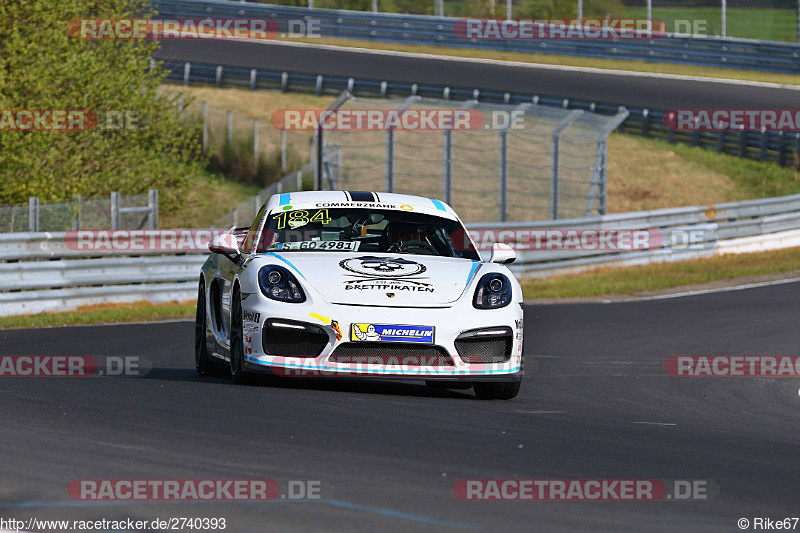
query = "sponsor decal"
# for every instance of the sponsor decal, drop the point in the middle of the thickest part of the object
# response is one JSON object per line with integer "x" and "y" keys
{"x": 391, "y": 333}
{"x": 406, "y": 207}
{"x": 368, "y": 205}
{"x": 252, "y": 316}
{"x": 337, "y": 329}
{"x": 248, "y": 344}
{"x": 384, "y": 274}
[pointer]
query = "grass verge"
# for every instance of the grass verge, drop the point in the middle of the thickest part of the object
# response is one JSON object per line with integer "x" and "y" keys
{"x": 103, "y": 314}
{"x": 641, "y": 279}
{"x": 573, "y": 61}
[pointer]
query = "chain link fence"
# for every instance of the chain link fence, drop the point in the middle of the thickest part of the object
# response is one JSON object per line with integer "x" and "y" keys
{"x": 139, "y": 211}
{"x": 525, "y": 162}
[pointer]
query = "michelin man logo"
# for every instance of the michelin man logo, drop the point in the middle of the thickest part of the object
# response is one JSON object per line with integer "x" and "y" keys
{"x": 369, "y": 335}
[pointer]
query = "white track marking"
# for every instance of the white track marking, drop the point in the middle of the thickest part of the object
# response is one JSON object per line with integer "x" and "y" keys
{"x": 520, "y": 64}
{"x": 707, "y": 291}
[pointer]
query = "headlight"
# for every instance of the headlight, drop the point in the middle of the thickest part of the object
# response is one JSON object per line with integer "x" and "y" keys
{"x": 277, "y": 283}
{"x": 493, "y": 292}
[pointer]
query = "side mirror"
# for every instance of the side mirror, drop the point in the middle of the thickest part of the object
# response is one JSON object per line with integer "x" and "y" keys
{"x": 503, "y": 254}
{"x": 225, "y": 244}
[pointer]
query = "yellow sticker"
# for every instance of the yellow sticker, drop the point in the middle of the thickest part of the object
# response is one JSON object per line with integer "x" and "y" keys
{"x": 406, "y": 207}
{"x": 324, "y": 319}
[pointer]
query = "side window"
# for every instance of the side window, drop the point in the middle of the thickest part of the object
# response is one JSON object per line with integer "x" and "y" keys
{"x": 251, "y": 233}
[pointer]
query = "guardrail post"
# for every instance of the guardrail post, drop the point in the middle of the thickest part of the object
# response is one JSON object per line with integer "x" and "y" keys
{"x": 79, "y": 201}
{"x": 764, "y": 144}
{"x": 743, "y": 143}
{"x": 152, "y": 203}
{"x": 255, "y": 146}
{"x": 219, "y": 76}
{"x": 187, "y": 72}
{"x": 115, "y": 210}
{"x": 447, "y": 194}
{"x": 782, "y": 149}
{"x": 284, "y": 81}
{"x": 230, "y": 129}
{"x": 389, "y": 160}
{"x": 721, "y": 141}
{"x": 318, "y": 153}
{"x": 319, "y": 85}
{"x": 253, "y": 74}
{"x": 503, "y": 174}
{"x": 205, "y": 127}
{"x": 646, "y": 123}
{"x": 283, "y": 150}
{"x": 33, "y": 214}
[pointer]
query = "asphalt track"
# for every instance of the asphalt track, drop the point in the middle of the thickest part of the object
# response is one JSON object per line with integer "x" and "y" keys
{"x": 388, "y": 454}
{"x": 632, "y": 91}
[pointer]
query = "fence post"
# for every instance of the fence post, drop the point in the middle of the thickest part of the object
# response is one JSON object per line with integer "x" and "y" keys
{"x": 374, "y": 6}
{"x": 724, "y": 18}
{"x": 508, "y": 10}
{"x": 115, "y": 210}
{"x": 556, "y": 139}
{"x": 318, "y": 154}
{"x": 782, "y": 149}
{"x": 580, "y": 9}
{"x": 389, "y": 160}
{"x": 230, "y": 129}
{"x": 503, "y": 174}
{"x": 33, "y": 214}
{"x": 448, "y": 167}
{"x": 152, "y": 203}
{"x": 283, "y": 150}
{"x": 180, "y": 108}
{"x": 80, "y": 211}
{"x": 235, "y": 220}
{"x": 255, "y": 146}
{"x": 205, "y": 127}
{"x": 601, "y": 209}
{"x": 299, "y": 179}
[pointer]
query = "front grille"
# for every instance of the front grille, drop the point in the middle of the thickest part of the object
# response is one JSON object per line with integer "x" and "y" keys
{"x": 405, "y": 354}
{"x": 474, "y": 348}
{"x": 308, "y": 342}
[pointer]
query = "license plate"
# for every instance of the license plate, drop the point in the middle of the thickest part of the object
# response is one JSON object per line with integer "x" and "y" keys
{"x": 391, "y": 333}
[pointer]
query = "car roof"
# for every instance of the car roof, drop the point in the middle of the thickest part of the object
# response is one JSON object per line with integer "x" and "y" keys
{"x": 377, "y": 200}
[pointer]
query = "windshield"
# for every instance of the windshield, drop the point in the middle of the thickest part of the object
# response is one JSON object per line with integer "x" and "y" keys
{"x": 365, "y": 230}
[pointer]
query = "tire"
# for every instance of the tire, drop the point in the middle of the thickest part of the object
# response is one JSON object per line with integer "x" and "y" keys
{"x": 202, "y": 363}
{"x": 238, "y": 374}
{"x": 501, "y": 390}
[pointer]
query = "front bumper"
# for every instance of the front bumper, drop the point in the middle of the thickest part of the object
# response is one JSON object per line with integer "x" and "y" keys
{"x": 448, "y": 323}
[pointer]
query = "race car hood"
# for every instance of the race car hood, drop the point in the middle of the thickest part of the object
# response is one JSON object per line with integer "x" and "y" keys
{"x": 391, "y": 280}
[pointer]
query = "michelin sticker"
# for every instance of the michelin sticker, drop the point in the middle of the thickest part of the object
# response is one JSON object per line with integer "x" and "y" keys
{"x": 391, "y": 333}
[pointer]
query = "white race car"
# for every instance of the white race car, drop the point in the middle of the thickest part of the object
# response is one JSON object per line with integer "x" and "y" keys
{"x": 346, "y": 283}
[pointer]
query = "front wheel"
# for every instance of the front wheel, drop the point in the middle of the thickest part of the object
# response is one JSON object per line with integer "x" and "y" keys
{"x": 500, "y": 390}
{"x": 237, "y": 342}
{"x": 202, "y": 364}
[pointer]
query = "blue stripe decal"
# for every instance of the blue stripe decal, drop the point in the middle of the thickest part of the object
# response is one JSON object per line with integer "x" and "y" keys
{"x": 284, "y": 198}
{"x": 439, "y": 205}
{"x": 475, "y": 266}
{"x": 287, "y": 262}
{"x": 334, "y": 370}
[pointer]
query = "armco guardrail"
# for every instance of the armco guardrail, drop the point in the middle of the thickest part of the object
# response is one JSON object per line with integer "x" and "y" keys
{"x": 782, "y": 147}
{"x": 42, "y": 271}
{"x": 421, "y": 29}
